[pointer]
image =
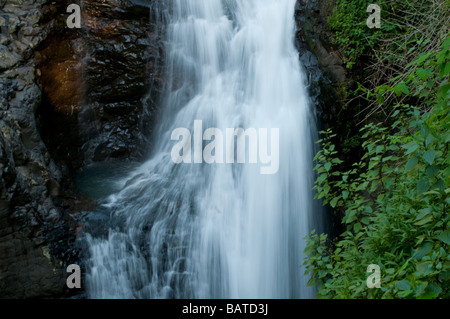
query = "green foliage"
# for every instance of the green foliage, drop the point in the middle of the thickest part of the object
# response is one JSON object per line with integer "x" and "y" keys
{"x": 351, "y": 32}
{"x": 406, "y": 27}
{"x": 394, "y": 201}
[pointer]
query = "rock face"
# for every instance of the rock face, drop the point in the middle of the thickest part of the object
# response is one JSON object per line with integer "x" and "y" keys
{"x": 319, "y": 57}
{"x": 68, "y": 97}
{"x": 29, "y": 179}
{"x": 123, "y": 61}
{"x": 98, "y": 80}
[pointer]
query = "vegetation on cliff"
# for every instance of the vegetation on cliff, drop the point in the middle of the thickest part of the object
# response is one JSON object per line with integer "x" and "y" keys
{"x": 394, "y": 199}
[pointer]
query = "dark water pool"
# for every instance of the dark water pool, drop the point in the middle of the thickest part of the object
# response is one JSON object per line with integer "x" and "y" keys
{"x": 98, "y": 181}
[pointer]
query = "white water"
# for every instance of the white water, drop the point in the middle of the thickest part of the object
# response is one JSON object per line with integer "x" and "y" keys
{"x": 221, "y": 230}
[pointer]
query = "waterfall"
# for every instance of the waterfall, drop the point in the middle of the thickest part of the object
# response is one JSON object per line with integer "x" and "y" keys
{"x": 221, "y": 230}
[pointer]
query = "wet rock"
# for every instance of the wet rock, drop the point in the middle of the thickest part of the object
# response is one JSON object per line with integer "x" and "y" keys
{"x": 96, "y": 82}
{"x": 28, "y": 176}
{"x": 8, "y": 59}
{"x": 124, "y": 63}
{"x": 314, "y": 35}
{"x": 319, "y": 57}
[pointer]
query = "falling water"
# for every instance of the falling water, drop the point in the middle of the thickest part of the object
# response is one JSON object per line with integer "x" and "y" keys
{"x": 217, "y": 230}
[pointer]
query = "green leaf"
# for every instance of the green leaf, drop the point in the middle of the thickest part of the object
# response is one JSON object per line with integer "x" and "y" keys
{"x": 424, "y": 221}
{"x": 424, "y": 73}
{"x": 443, "y": 90}
{"x": 432, "y": 171}
{"x": 345, "y": 194}
{"x": 424, "y": 269}
{"x": 390, "y": 271}
{"x": 446, "y": 44}
{"x": 401, "y": 88}
{"x": 430, "y": 140}
{"x": 423, "y": 185}
{"x": 423, "y": 212}
{"x": 430, "y": 292}
{"x": 445, "y": 70}
{"x": 420, "y": 288}
{"x": 423, "y": 250}
{"x": 434, "y": 288}
{"x": 445, "y": 236}
{"x": 403, "y": 285}
{"x": 334, "y": 201}
{"x": 379, "y": 149}
{"x": 429, "y": 156}
{"x": 422, "y": 58}
{"x": 327, "y": 166}
{"x": 440, "y": 58}
{"x": 382, "y": 89}
{"x": 424, "y": 130}
{"x": 411, "y": 164}
{"x": 410, "y": 147}
{"x": 444, "y": 276}
{"x": 420, "y": 239}
{"x": 321, "y": 178}
{"x": 357, "y": 227}
{"x": 312, "y": 282}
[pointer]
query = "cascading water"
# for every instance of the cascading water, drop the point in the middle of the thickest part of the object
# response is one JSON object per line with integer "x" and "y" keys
{"x": 217, "y": 230}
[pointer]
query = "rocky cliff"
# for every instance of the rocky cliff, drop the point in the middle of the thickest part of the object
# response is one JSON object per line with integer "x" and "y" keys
{"x": 101, "y": 84}
{"x": 320, "y": 58}
{"x": 30, "y": 179}
{"x": 68, "y": 98}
